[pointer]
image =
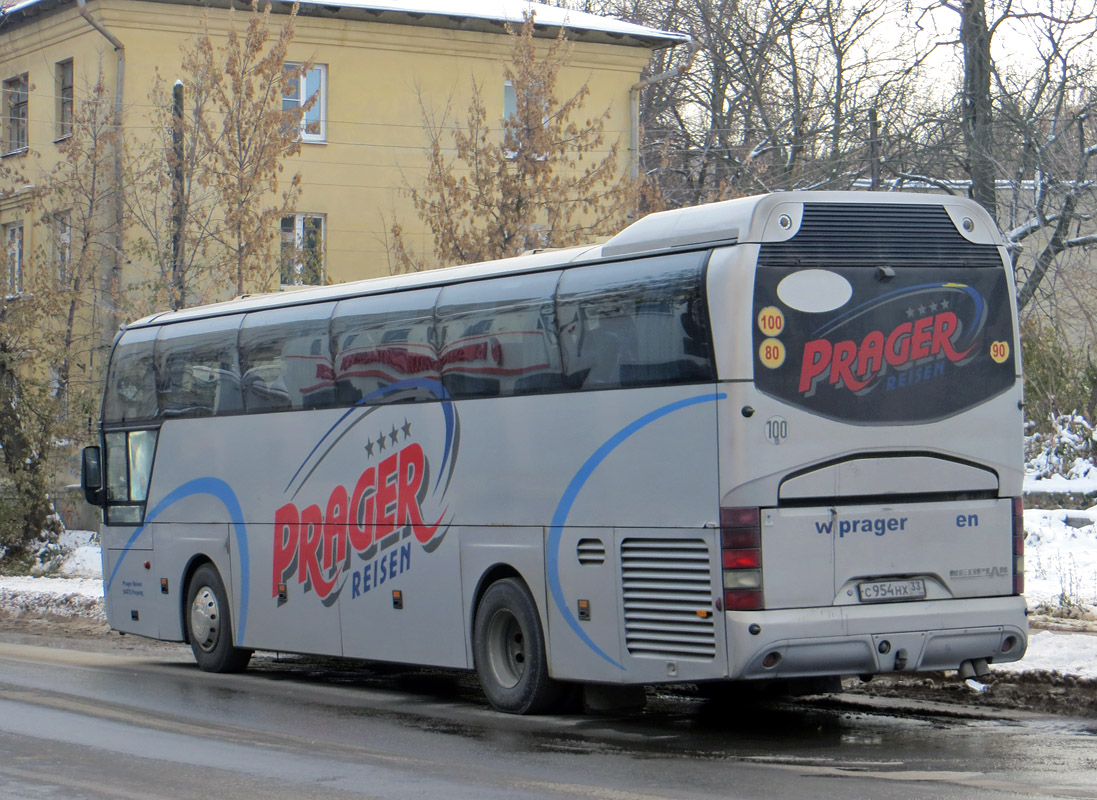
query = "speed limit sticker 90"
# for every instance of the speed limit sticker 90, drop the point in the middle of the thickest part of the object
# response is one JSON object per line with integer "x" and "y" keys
{"x": 999, "y": 352}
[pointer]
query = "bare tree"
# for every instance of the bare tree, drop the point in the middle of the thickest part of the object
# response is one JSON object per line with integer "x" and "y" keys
{"x": 208, "y": 210}
{"x": 538, "y": 182}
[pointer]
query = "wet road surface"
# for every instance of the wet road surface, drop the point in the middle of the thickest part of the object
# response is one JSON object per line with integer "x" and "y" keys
{"x": 149, "y": 724}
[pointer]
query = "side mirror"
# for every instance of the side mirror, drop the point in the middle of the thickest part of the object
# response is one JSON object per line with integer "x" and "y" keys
{"x": 91, "y": 475}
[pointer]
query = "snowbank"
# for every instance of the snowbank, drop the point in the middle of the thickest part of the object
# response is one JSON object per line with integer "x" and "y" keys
{"x": 1065, "y": 653}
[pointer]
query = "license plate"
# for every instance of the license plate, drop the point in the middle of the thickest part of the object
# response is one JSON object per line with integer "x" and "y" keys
{"x": 886, "y": 591}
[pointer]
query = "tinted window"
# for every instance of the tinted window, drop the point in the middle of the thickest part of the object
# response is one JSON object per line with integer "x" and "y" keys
{"x": 498, "y": 337}
{"x": 919, "y": 345}
{"x": 384, "y": 348}
{"x": 640, "y": 323}
{"x": 131, "y": 382}
{"x": 285, "y": 359}
{"x": 129, "y": 469}
{"x": 197, "y": 370}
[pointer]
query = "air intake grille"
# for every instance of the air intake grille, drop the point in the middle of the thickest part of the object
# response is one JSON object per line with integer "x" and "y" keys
{"x": 872, "y": 235}
{"x": 666, "y": 583}
{"x": 591, "y": 552}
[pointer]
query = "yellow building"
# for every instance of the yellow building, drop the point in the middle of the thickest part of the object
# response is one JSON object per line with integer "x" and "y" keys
{"x": 377, "y": 66}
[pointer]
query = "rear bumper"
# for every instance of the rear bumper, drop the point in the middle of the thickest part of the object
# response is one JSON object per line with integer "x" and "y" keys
{"x": 868, "y": 639}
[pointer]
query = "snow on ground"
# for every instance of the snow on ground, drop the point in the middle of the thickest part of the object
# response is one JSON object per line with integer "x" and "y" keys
{"x": 1060, "y": 573}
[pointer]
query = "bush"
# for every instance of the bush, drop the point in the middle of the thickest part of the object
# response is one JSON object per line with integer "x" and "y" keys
{"x": 1059, "y": 380}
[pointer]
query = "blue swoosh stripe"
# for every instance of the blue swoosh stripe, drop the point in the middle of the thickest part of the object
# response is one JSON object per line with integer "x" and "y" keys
{"x": 222, "y": 491}
{"x": 434, "y": 387}
{"x": 571, "y": 494}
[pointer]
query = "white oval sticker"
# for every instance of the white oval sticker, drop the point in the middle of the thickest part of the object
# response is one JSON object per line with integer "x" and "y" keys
{"x": 814, "y": 291}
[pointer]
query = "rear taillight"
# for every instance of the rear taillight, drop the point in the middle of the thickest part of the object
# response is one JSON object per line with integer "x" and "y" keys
{"x": 741, "y": 558}
{"x": 1018, "y": 546}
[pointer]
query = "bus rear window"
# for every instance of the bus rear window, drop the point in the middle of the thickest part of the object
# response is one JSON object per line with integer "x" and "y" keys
{"x": 883, "y": 345}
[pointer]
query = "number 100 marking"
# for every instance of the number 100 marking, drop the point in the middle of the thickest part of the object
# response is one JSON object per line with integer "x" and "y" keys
{"x": 776, "y": 429}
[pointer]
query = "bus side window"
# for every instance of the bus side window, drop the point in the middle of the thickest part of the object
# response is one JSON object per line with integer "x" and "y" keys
{"x": 129, "y": 470}
{"x": 285, "y": 359}
{"x": 384, "y": 348}
{"x": 636, "y": 323}
{"x": 131, "y": 385}
{"x": 197, "y": 368}
{"x": 497, "y": 338}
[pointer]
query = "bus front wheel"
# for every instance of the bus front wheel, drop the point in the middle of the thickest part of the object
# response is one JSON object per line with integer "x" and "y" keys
{"x": 509, "y": 651}
{"x": 209, "y": 624}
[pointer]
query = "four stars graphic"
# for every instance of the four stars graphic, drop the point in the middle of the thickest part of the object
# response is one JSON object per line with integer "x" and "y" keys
{"x": 392, "y": 437}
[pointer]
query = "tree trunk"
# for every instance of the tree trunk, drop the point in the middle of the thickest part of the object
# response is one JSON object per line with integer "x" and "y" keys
{"x": 976, "y": 112}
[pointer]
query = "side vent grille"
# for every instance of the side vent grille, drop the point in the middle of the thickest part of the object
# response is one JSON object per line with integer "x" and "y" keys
{"x": 871, "y": 235}
{"x": 591, "y": 552}
{"x": 668, "y": 598}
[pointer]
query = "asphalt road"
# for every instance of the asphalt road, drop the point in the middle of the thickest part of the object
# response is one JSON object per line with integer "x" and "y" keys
{"x": 77, "y": 722}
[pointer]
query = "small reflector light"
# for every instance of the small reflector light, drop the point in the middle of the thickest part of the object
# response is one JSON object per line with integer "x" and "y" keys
{"x": 704, "y": 613}
{"x": 163, "y": 586}
{"x": 731, "y": 538}
{"x": 742, "y": 559}
{"x": 742, "y": 599}
{"x": 397, "y": 599}
{"x": 744, "y": 517}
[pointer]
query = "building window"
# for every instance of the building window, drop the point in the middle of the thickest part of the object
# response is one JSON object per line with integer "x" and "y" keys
{"x": 303, "y": 250}
{"x": 15, "y": 102}
{"x": 64, "y": 98}
{"x": 510, "y": 100}
{"x": 299, "y": 88}
{"x": 62, "y": 244}
{"x": 13, "y": 255}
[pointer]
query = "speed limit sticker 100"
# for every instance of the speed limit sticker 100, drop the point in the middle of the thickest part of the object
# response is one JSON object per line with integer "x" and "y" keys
{"x": 771, "y": 321}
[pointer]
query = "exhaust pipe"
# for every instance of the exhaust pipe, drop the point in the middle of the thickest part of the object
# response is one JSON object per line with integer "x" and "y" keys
{"x": 974, "y": 668}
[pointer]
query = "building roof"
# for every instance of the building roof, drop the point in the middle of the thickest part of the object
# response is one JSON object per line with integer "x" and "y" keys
{"x": 490, "y": 16}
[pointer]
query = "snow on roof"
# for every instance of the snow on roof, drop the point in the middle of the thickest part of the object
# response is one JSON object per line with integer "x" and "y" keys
{"x": 451, "y": 14}
{"x": 512, "y": 11}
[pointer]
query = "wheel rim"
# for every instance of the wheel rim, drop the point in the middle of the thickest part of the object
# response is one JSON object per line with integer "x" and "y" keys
{"x": 506, "y": 649}
{"x": 205, "y": 619}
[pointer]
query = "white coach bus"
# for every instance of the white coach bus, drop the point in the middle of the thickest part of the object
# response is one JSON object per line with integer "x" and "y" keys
{"x": 770, "y": 439}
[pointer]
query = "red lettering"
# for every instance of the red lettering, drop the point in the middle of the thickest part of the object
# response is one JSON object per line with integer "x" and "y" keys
{"x": 308, "y": 572}
{"x": 920, "y": 341}
{"x": 335, "y": 529}
{"x": 944, "y": 327}
{"x": 362, "y": 511}
{"x": 845, "y": 353}
{"x": 412, "y": 472}
{"x": 870, "y": 356}
{"x": 387, "y": 496}
{"x": 816, "y": 361}
{"x": 313, "y": 543}
{"x": 897, "y": 349}
{"x": 286, "y": 530}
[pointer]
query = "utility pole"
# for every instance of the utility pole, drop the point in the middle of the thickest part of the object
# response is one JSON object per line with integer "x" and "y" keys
{"x": 178, "y": 284}
{"x": 874, "y": 149}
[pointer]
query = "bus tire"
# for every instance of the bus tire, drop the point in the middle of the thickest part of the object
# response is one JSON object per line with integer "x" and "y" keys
{"x": 209, "y": 624}
{"x": 508, "y": 648}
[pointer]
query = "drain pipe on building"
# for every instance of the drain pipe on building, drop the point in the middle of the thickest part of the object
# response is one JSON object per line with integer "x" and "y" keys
{"x": 113, "y": 289}
{"x": 634, "y": 104}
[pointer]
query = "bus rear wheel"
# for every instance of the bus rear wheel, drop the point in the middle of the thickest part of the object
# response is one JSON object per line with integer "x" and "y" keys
{"x": 209, "y": 624}
{"x": 509, "y": 651}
